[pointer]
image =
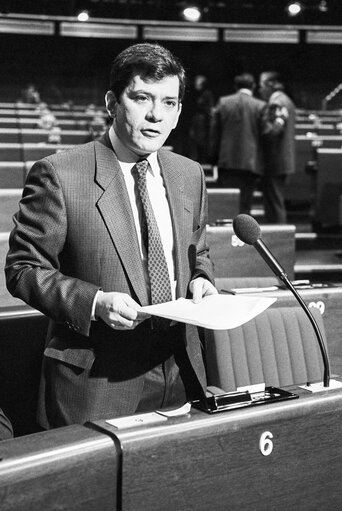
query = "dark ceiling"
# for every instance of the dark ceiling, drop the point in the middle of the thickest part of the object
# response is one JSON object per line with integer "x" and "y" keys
{"x": 214, "y": 11}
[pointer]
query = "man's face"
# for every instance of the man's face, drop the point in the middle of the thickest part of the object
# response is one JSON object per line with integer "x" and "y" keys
{"x": 146, "y": 113}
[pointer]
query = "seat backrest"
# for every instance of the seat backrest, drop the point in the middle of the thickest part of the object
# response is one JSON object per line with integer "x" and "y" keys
{"x": 279, "y": 347}
{"x": 22, "y": 342}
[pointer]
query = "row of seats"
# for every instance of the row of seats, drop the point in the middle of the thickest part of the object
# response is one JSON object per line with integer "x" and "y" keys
{"x": 23, "y": 142}
{"x": 22, "y": 146}
{"x": 37, "y": 136}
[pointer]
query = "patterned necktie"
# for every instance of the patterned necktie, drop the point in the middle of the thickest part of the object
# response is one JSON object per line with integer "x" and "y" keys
{"x": 156, "y": 262}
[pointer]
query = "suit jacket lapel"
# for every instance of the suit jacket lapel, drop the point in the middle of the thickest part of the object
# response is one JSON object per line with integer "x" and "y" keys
{"x": 116, "y": 211}
{"x": 181, "y": 213}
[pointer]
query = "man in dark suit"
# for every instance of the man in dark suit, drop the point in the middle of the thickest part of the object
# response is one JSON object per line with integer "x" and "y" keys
{"x": 235, "y": 139}
{"x": 79, "y": 254}
{"x": 279, "y": 145}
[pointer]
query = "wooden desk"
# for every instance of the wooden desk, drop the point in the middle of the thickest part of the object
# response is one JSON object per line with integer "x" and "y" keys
{"x": 279, "y": 456}
{"x": 36, "y": 135}
{"x": 218, "y": 462}
{"x": 223, "y": 203}
{"x": 329, "y": 186}
{"x": 22, "y": 342}
{"x": 12, "y": 174}
{"x": 71, "y": 468}
{"x": 24, "y": 152}
{"x": 232, "y": 258}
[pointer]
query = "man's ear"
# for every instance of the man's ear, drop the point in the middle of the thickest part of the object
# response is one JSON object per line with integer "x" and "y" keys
{"x": 110, "y": 100}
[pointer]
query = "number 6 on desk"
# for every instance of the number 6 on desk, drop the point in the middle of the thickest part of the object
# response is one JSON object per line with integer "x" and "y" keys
{"x": 265, "y": 443}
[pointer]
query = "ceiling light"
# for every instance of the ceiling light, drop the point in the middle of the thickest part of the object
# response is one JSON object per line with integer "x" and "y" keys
{"x": 83, "y": 16}
{"x": 294, "y": 8}
{"x": 192, "y": 13}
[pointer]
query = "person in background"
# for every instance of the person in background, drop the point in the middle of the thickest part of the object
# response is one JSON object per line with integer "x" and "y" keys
{"x": 203, "y": 99}
{"x": 104, "y": 229}
{"x": 235, "y": 139}
{"x": 279, "y": 145}
{"x": 30, "y": 94}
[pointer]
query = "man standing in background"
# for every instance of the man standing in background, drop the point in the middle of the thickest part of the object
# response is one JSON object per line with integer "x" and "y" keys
{"x": 236, "y": 139}
{"x": 279, "y": 145}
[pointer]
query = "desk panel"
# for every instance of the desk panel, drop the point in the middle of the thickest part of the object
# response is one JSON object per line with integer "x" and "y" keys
{"x": 22, "y": 342}
{"x": 233, "y": 258}
{"x": 223, "y": 203}
{"x": 281, "y": 456}
{"x": 329, "y": 186}
{"x": 70, "y": 468}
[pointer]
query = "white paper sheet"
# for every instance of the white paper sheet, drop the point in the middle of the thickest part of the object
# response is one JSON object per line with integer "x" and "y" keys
{"x": 216, "y": 312}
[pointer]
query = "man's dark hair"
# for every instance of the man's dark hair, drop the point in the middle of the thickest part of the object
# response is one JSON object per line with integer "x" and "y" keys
{"x": 244, "y": 81}
{"x": 273, "y": 79}
{"x": 150, "y": 61}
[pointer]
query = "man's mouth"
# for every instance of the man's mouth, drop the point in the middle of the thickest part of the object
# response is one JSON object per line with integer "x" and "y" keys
{"x": 150, "y": 133}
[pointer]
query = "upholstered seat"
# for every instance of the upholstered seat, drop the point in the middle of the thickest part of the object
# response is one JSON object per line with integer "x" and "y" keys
{"x": 279, "y": 347}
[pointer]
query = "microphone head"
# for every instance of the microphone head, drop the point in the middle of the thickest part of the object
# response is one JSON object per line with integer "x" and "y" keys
{"x": 246, "y": 229}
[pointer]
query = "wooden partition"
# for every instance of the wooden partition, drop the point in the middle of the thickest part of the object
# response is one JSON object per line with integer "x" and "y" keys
{"x": 301, "y": 185}
{"x": 329, "y": 186}
{"x": 279, "y": 456}
{"x": 233, "y": 258}
{"x": 223, "y": 203}
{"x": 38, "y": 136}
{"x": 22, "y": 341}
{"x": 71, "y": 468}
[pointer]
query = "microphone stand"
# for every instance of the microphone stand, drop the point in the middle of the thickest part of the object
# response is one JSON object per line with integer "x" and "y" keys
{"x": 278, "y": 270}
{"x": 326, "y": 376}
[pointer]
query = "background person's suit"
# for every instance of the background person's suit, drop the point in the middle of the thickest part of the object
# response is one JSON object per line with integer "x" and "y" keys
{"x": 235, "y": 143}
{"x": 83, "y": 239}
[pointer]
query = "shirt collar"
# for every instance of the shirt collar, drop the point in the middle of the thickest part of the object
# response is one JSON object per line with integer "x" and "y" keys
{"x": 125, "y": 156}
{"x": 246, "y": 91}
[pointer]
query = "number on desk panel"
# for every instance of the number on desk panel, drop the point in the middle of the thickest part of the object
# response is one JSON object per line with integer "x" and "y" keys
{"x": 236, "y": 242}
{"x": 265, "y": 443}
{"x": 320, "y": 305}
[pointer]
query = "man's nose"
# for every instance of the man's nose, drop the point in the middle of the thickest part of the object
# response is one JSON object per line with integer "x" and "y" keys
{"x": 155, "y": 112}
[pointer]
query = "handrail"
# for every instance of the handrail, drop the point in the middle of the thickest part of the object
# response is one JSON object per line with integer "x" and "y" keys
{"x": 331, "y": 95}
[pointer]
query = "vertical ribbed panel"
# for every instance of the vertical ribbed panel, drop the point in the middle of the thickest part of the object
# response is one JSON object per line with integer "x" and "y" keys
{"x": 278, "y": 347}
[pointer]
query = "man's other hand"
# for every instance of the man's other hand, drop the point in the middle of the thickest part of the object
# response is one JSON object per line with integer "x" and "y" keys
{"x": 200, "y": 287}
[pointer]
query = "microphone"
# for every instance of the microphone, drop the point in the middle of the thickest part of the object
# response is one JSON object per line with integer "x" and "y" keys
{"x": 248, "y": 230}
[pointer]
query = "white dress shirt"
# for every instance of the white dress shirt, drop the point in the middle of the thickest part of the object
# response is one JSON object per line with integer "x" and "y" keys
{"x": 159, "y": 202}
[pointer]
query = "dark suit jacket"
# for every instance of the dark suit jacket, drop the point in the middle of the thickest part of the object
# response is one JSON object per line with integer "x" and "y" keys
{"x": 75, "y": 233}
{"x": 236, "y": 132}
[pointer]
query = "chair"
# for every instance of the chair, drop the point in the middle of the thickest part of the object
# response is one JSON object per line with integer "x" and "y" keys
{"x": 279, "y": 348}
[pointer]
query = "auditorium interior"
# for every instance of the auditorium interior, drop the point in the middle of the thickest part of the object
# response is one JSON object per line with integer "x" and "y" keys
{"x": 277, "y": 448}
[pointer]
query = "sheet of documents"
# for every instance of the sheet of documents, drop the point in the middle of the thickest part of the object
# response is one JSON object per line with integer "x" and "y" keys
{"x": 216, "y": 312}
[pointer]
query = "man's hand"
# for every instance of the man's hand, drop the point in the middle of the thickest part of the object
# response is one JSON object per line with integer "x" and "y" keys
{"x": 200, "y": 287}
{"x": 119, "y": 310}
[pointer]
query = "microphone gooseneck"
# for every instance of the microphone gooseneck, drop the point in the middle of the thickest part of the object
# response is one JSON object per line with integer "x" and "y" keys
{"x": 248, "y": 230}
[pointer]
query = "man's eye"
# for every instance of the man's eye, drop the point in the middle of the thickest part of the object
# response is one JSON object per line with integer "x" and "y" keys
{"x": 141, "y": 98}
{"x": 171, "y": 104}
